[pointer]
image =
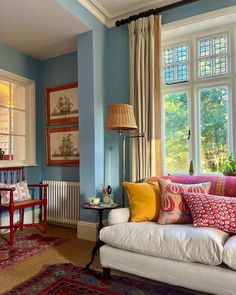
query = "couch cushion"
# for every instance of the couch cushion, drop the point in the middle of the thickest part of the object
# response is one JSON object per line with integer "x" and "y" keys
{"x": 173, "y": 205}
{"x": 174, "y": 241}
{"x": 144, "y": 201}
{"x": 212, "y": 211}
{"x": 229, "y": 252}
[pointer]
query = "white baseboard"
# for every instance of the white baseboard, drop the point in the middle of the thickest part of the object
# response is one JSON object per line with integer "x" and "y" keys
{"x": 29, "y": 217}
{"x": 88, "y": 230}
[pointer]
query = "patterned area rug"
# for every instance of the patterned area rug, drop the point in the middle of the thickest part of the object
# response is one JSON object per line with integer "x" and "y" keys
{"x": 69, "y": 279}
{"x": 25, "y": 246}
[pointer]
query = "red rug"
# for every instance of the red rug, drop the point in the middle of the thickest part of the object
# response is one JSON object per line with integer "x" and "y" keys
{"x": 69, "y": 279}
{"x": 25, "y": 246}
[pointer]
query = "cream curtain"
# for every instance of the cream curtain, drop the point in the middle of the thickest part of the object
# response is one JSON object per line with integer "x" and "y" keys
{"x": 144, "y": 45}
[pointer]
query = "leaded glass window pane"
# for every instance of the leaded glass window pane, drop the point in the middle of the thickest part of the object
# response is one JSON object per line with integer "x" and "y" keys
{"x": 220, "y": 44}
{"x": 182, "y": 72}
{"x": 169, "y": 56}
{"x": 169, "y": 75}
{"x": 205, "y": 48}
{"x": 181, "y": 53}
{"x": 220, "y": 65}
{"x": 205, "y": 68}
{"x": 176, "y": 64}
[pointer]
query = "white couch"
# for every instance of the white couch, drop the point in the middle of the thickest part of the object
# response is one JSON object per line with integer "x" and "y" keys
{"x": 201, "y": 259}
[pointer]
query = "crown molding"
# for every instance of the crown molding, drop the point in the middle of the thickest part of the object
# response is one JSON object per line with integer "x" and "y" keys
{"x": 94, "y": 10}
{"x": 208, "y": 16}
{"x": 109, "y": 19}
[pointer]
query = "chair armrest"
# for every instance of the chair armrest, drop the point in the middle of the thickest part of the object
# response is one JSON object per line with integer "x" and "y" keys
{"x": 120, "y": 215}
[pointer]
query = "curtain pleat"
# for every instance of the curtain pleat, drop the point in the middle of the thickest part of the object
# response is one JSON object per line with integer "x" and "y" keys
{"x": 144, "y": 45}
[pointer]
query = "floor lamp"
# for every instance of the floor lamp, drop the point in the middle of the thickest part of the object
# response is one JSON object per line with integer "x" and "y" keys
{"x": 120, "y": 118}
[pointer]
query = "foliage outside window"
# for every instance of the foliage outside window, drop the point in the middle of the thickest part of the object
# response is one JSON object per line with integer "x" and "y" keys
{"x": 198, "y": 112}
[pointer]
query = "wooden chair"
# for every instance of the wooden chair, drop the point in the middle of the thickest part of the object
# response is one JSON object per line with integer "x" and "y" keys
{"x": 14, "y": 175}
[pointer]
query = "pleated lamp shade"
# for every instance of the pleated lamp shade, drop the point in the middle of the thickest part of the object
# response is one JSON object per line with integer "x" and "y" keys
{"x": 120, "y": 118}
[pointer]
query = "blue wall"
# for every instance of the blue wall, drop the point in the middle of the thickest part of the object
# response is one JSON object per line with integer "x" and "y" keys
{"x": 57, "y": 71}
{"x": 91, "y": 78}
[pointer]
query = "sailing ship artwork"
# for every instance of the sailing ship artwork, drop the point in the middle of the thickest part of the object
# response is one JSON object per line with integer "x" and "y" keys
{"x": 62, "y": 104}
{"x": 63, "y": 146}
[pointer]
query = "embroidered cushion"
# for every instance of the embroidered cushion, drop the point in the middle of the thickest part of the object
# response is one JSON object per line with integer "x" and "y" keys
{"x": 212, "y": 211}
{"x": 21, "y": 192}
{"x": 144, "y": 201}
{"x": 173, "y": 205}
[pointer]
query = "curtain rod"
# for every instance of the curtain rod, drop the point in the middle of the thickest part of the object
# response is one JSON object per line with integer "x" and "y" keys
{"x": 153, "y": 12}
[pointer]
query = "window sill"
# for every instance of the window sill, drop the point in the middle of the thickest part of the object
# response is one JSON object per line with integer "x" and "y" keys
{"x": 12, "y": 163}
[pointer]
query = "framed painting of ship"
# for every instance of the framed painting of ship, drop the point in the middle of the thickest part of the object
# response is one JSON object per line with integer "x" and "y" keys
{"x": 63, "y": 146}
{"x": 62, "y": 104}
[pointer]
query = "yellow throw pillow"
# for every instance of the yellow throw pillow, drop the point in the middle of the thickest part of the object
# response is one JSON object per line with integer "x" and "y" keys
{"x": 144, "y": 201}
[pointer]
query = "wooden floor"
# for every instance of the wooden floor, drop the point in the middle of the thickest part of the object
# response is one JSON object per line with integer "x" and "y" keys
{"x": 74, "y": 251}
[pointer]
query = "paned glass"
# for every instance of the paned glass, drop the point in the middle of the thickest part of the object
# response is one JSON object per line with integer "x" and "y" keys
{"x": 214, "y": 126}
{"x": 220, "y": 65}
{"x": 18, "y": 147}
{"x": 169, "y": 75}
{"x": 182, "y": 72}
{"x": 182, "y": 53}
{"x": 205, "y": 68}
{"x": 205, "y": 48}
{"x": 220, "y": 44}
{"x": 4, "y": 120}
{"x": 176, "y": 131}
{"x": 169, "y": 56}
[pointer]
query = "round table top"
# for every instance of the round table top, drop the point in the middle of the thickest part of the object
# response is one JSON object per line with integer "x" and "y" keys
{"x": 101, "y": 206}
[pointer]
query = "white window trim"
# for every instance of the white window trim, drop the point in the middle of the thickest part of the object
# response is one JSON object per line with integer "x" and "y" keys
{"x": 196, "y": 83}
{"x": 30, "y": 119}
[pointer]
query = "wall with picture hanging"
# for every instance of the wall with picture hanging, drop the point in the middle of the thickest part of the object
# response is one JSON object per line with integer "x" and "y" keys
{"x": 60, "y": 83}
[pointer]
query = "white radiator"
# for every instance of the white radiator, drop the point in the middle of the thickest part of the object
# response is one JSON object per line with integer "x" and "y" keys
{"x": 63, "y": 202}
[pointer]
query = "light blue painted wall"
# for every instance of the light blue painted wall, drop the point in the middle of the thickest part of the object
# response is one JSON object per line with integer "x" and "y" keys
{"x": 91, "y": 78}
{"x": 18, "y": 63}
{"x": 55, "y": 72}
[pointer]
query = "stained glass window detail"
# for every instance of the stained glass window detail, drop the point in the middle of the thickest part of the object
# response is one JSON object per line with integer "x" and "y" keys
{"x": 220, "y": 45}
{"x": 205, "y": 67}
{"x": 176, "y": 68}
{"x": 220, "y": 65}
{"x": 182, "y": 72}
{"x": 169, "y": 56}
{"x": 182, "y": 53}
{"x": 169, "y": 74}
{"x": 205, "y": 48}
{"x": 213, "y": 56}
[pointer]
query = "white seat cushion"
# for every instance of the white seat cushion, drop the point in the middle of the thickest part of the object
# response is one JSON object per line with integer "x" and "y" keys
{"x": 174, "y": 241}
{"x": 229, "y": 252}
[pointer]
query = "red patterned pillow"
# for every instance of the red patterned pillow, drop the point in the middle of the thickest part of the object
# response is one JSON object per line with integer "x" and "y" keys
{"x": 173, "y": 205}
{"x": 212, "y": 211}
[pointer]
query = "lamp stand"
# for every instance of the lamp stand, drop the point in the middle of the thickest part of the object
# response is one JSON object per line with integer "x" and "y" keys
{"x": 124, "y": 137}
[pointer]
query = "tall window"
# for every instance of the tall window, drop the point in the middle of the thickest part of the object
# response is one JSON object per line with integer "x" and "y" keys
{"x": 198, "y": 107}
{"x": 16, "y": 108}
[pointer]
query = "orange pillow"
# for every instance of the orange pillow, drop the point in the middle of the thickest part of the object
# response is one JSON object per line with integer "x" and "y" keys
{"x": 144, "y": 201}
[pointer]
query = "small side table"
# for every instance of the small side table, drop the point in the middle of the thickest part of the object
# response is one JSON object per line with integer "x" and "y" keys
{"x": 100, "y": 209}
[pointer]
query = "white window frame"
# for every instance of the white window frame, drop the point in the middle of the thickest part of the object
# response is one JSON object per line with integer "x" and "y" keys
{"x": 195, "y": 83}
{"x": 30, "y": 132}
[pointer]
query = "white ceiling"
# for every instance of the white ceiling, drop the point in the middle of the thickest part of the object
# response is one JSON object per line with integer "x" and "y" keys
{"x": 40, "y": 28}
{"x": 109, "y": 11}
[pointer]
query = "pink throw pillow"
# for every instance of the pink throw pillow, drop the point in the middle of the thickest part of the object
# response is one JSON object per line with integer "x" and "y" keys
{"x": 212, "y": 211}
{"x": 173, "y": 206}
